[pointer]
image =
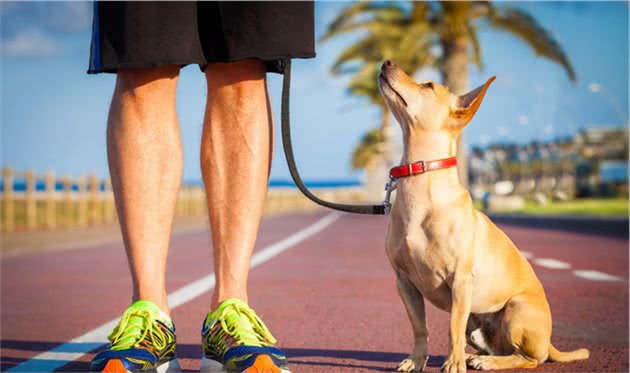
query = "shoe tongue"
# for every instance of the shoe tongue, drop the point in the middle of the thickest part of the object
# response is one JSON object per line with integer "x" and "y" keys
{"x": 153, "y": 310}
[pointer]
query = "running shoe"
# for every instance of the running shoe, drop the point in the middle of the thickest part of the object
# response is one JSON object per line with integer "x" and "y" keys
{"x": 143, "y": 341}
{"x": 234, "y": 339}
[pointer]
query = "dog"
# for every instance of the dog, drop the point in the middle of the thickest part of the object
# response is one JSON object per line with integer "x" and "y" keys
{"x": 445, "y": 251}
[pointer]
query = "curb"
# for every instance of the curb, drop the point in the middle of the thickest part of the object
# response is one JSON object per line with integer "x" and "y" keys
{"x": 603, "y": 226}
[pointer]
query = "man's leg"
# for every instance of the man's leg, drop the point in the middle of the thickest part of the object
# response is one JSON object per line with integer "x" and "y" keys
{"x": 235, "y": 161}
{"x": 145, "y": 161}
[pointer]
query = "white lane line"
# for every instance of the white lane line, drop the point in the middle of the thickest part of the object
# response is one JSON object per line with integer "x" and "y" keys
{"x": 527, "y": 254}
{"x": 552, "y": 263}
{"x": 587, "y": 274}
{"x": 72, "y": 350}
{"x": 595, "y": 275}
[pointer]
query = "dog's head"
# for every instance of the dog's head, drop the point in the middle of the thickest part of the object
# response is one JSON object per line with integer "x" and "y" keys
{"x": 427, "y": 106}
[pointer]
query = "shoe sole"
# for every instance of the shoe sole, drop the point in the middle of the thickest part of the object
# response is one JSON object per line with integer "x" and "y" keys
{"x": 116, "y": 366}
{"x": 263, "y": 364}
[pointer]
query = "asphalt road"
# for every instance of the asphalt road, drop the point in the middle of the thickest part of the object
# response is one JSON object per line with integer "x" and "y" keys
{"x": 323, "y": 285}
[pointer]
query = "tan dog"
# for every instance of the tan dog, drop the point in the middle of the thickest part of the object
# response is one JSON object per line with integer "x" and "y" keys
{"x": 444, "y": 250}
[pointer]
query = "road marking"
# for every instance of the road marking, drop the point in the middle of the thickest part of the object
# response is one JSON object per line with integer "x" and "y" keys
{"x": 552, "y": 263}
{"x": 595, "y": 275}
{"x": 587, "y": 274}
{"x": 527, "y": 254}
{"x": 73, "y": 350}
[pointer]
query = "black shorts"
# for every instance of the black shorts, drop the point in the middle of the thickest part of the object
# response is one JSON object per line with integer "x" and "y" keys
{"x": 146, "y": 34}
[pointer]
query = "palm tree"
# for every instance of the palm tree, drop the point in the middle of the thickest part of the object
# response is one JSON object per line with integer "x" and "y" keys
{"x": 442, "y": 34}
{"x": 371, "y": 146}
{"x": 385, "y": 40}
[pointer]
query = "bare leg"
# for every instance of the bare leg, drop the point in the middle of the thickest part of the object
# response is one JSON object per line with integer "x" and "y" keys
{"x": 145, "y": 162}
{"x": 235, "y": 162}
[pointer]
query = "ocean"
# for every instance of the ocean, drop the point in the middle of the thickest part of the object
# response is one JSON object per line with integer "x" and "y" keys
{"x": 19, "y": 184}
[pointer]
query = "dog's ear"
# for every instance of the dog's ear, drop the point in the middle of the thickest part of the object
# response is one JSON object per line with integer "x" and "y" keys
{"x": 464, "y": 107}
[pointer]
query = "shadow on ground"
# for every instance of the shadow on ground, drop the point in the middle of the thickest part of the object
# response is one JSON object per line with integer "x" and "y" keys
{"x": 305, "y": 357}
{"x": 378, "y": 361}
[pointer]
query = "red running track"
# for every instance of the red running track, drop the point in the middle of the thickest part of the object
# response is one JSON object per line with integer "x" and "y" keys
{"x": 330, "y": 300}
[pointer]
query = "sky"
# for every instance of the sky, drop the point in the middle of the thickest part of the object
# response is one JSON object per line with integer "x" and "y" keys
{"x": 53, "y": 115}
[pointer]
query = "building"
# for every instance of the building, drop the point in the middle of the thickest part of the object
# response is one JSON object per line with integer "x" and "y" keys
{"x": 590, "y": 163}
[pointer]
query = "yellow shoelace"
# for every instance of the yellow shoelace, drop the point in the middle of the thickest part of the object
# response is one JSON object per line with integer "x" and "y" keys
{"x": 232, "y": 320}
{"x": 133, "y": 328}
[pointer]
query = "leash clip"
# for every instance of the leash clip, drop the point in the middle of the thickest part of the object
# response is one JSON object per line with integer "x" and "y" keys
{"x": 390, "y": 186}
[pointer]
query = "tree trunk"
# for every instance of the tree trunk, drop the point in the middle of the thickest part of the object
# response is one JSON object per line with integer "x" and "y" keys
{"x": 377, "y": 171}
{"x": 387, "y": 133}
{"x": 454, "y": 70}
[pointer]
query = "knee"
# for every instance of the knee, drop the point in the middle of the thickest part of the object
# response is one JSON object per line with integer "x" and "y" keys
{"x": 144, "y": 96}
{"x": 236, "y": 78}
{"x": 152, "y": 83}
{"x": 534, "y": 345}
{"x": 536, "y": 351}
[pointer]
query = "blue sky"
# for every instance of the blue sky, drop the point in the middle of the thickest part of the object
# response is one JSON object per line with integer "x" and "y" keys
{"x": 53, "y": 115}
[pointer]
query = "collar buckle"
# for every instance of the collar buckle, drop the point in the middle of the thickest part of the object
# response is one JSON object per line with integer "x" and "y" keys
{"x": 423, "y": 167}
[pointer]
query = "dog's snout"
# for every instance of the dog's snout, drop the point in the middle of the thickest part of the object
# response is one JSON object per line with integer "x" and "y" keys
{"x": 388, "y": 64}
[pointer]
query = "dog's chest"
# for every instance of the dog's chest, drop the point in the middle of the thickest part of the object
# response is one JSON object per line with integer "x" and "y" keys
{"x": 424, "y": 259}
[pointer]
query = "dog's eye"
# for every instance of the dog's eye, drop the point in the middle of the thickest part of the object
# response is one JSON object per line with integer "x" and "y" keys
{"x": 428, "y": 85}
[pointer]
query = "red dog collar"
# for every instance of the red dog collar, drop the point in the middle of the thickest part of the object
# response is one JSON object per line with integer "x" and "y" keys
{"x": 421, "y": 167}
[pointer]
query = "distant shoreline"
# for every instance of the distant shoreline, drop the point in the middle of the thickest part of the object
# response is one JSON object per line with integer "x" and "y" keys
{"x": 19, "y": 184}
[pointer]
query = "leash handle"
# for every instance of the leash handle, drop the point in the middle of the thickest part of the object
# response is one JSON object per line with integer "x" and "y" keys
{"x": 288, "y": 152}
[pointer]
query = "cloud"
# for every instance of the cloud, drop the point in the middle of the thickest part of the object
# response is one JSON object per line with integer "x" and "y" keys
{"x": 29, "y": 43}
{"x": 50, "y": 17}
{"x": 69, "y": 17}
{"x": 37, "y": 28}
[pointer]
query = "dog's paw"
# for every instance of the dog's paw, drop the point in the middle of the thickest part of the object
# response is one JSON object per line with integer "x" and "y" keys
{"x": 413, "y": 364}
{"x": 479, "y": 362}
{"x": 454, "y": 364}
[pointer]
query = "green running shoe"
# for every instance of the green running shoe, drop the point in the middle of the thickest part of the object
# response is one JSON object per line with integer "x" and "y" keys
{"x": 234, "y": 339}
{"x": 143, "y": 341}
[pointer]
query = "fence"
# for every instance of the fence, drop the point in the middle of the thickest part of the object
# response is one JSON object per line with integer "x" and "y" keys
{"x": 35, "y": 202}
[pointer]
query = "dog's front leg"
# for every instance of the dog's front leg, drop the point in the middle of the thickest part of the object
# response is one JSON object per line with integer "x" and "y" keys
{"x": 414, "y": 304}
{"x": 461, "y": 298}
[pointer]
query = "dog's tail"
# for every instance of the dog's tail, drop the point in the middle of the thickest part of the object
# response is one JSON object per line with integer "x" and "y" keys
{"x": 559, "y": 356}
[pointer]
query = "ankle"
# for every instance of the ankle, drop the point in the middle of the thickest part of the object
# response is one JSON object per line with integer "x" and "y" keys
{"x": 160, "y": 302}
{"x": 217, "y": 299}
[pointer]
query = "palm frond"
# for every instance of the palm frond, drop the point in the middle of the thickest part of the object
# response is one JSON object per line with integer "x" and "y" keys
{"x": 525, "y": 27}
{"x": 421, "y": 11}
{"x": 368, "y": 48}
{"x": 375, "y": 26}
{"x": 480, "y": 9}
{"x": 369, "y": 148}
{"x": 365, "y": 9}
{"x": 454, "y": 19}
{"x": 365, "y": 83}
{"x": 476, "y": 46}
{"x": 414, "y": 49}
{"x": 348, "y": 14}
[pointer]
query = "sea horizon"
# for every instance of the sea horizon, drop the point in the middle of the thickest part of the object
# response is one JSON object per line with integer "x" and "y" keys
{"x": 19, "y": 184}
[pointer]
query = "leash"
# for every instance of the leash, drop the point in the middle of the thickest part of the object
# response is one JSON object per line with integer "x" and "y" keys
{"x": 288, "y": 152}
{"x": 395, "y": 173}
